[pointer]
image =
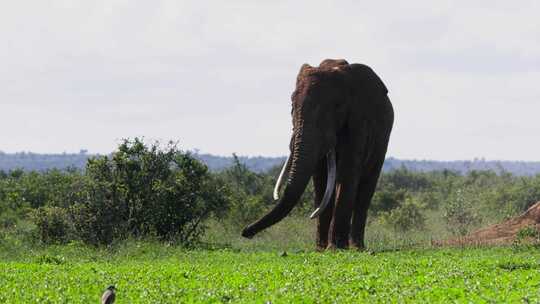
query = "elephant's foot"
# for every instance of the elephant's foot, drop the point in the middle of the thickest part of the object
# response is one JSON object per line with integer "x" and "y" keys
{"x": 338, "y": 245}
{"x": 357, "y": 245}
{"x": 331, "y": 247}
{"x": 321, "y": 244}
{"x": 320, "y": 248}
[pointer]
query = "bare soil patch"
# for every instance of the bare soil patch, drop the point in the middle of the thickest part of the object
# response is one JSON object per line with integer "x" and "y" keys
{"x": 499, "y": 234}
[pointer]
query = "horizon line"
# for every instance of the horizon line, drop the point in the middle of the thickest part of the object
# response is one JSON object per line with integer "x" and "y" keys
{"x": 198, "y": 152}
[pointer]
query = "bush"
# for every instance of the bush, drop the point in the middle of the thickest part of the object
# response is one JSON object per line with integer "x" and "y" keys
{"x": 245, "y": 209}
{"x": 403, "y": 178}
{"x": 8, "y": 219}
{"x": 459, "y": 214}
{"x": 387, "y": 199}
{"x": 252, "y": 193}
{"x": 408, "y": 216}
{"x": 53, "y": 223}
{"x": 520, "y": 195}
{"x": 98, "y": 219}
{"x": 140, "y": 191}
{"x": 249, "y": 195}
{"x": 527, "y": 232}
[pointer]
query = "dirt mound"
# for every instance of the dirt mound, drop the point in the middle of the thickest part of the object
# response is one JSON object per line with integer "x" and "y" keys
{"x": 503, "y": 233}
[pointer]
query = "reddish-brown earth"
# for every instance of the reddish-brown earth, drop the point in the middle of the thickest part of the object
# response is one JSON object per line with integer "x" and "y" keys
{"x": 499, "y": 234}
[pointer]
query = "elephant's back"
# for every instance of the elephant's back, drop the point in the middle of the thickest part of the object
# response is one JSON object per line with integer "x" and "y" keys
{"x": 367, "y": 80}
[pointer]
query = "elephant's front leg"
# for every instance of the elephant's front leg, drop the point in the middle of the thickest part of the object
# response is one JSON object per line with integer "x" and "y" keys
{"x": 323, "y": 221}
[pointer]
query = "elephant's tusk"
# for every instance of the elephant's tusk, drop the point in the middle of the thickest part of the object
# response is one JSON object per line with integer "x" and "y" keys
{"x": 278, "y": 183}
{"x": 330, "y": 183}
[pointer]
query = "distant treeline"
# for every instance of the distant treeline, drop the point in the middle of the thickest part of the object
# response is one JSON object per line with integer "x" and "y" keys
{"x": 39, "y": 162}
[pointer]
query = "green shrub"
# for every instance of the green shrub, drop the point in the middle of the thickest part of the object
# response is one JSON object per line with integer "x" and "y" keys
{"x": 249, "y": 194}
{"x": 138, "y": 191}
{"x": 527, "y": 235}
{"x": 387, "y": 199}
{"x": 8, "y": 219}
{"x": 245, "y": 209}
{"x": 403, "y": 178}
{"x": 98, "y": 219}
{"x": 407, "y": 216}
{"x": 53, "y": 223}
{"x": 141, "y": 191}
{"x": 459, "y": 214}
{"x": 50, "y": 259}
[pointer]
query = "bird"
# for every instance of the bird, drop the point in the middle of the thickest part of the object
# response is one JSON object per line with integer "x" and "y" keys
{"x": 108, "y": 296}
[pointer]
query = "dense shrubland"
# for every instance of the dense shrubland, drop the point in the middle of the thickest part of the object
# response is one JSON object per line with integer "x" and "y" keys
{"x": 161, "y": 192}
{"x": 138, "y": 191}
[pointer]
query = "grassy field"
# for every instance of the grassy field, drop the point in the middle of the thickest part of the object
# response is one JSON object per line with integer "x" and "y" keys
{"x": 146, "y": 272}
{"x": 279, "y": 265}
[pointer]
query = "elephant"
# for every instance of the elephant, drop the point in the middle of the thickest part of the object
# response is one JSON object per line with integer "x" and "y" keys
{"x": 342, "y": 119}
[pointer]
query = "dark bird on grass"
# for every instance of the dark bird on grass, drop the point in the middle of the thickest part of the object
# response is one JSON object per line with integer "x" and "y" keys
{"x": 108, "y": 296}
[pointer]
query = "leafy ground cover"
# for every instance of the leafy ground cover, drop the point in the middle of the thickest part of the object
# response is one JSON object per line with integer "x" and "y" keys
{"x": 150, "y": 273}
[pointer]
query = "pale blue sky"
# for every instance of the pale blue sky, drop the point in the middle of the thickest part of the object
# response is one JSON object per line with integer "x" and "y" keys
{"x": 217, "y": 76}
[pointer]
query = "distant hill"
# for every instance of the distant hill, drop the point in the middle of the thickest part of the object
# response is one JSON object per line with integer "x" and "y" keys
{"x": 40, "y": 162}
{"x": 256, "y": 163}
{"x": 463, "y": 166}
{"x": 260, "y": 164}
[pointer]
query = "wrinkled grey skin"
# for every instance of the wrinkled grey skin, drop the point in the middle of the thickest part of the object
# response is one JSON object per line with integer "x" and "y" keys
{"x": 345, "y": 107}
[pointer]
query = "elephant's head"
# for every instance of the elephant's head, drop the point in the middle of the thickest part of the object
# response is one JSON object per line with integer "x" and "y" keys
{"x": 320, "y": 105}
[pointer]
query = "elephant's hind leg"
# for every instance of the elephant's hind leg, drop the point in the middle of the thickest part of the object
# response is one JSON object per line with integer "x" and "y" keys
{"x": 366, "y": 189}
{"x": 341, "y": 221}
{"x": 323, "y": 221}
{"x": 346, "y": 187}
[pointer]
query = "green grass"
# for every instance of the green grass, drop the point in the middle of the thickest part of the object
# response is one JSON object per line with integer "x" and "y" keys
{"x": 150, "y": 273}
{"x": 298, "y": 233}
{"x": 398, "y": 268}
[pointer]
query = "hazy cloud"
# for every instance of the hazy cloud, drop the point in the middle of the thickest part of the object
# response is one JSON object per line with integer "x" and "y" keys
{"x": 218, "y": 75}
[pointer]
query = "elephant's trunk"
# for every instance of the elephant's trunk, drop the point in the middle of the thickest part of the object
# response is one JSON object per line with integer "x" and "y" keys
{"x": 303, "y": 159}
